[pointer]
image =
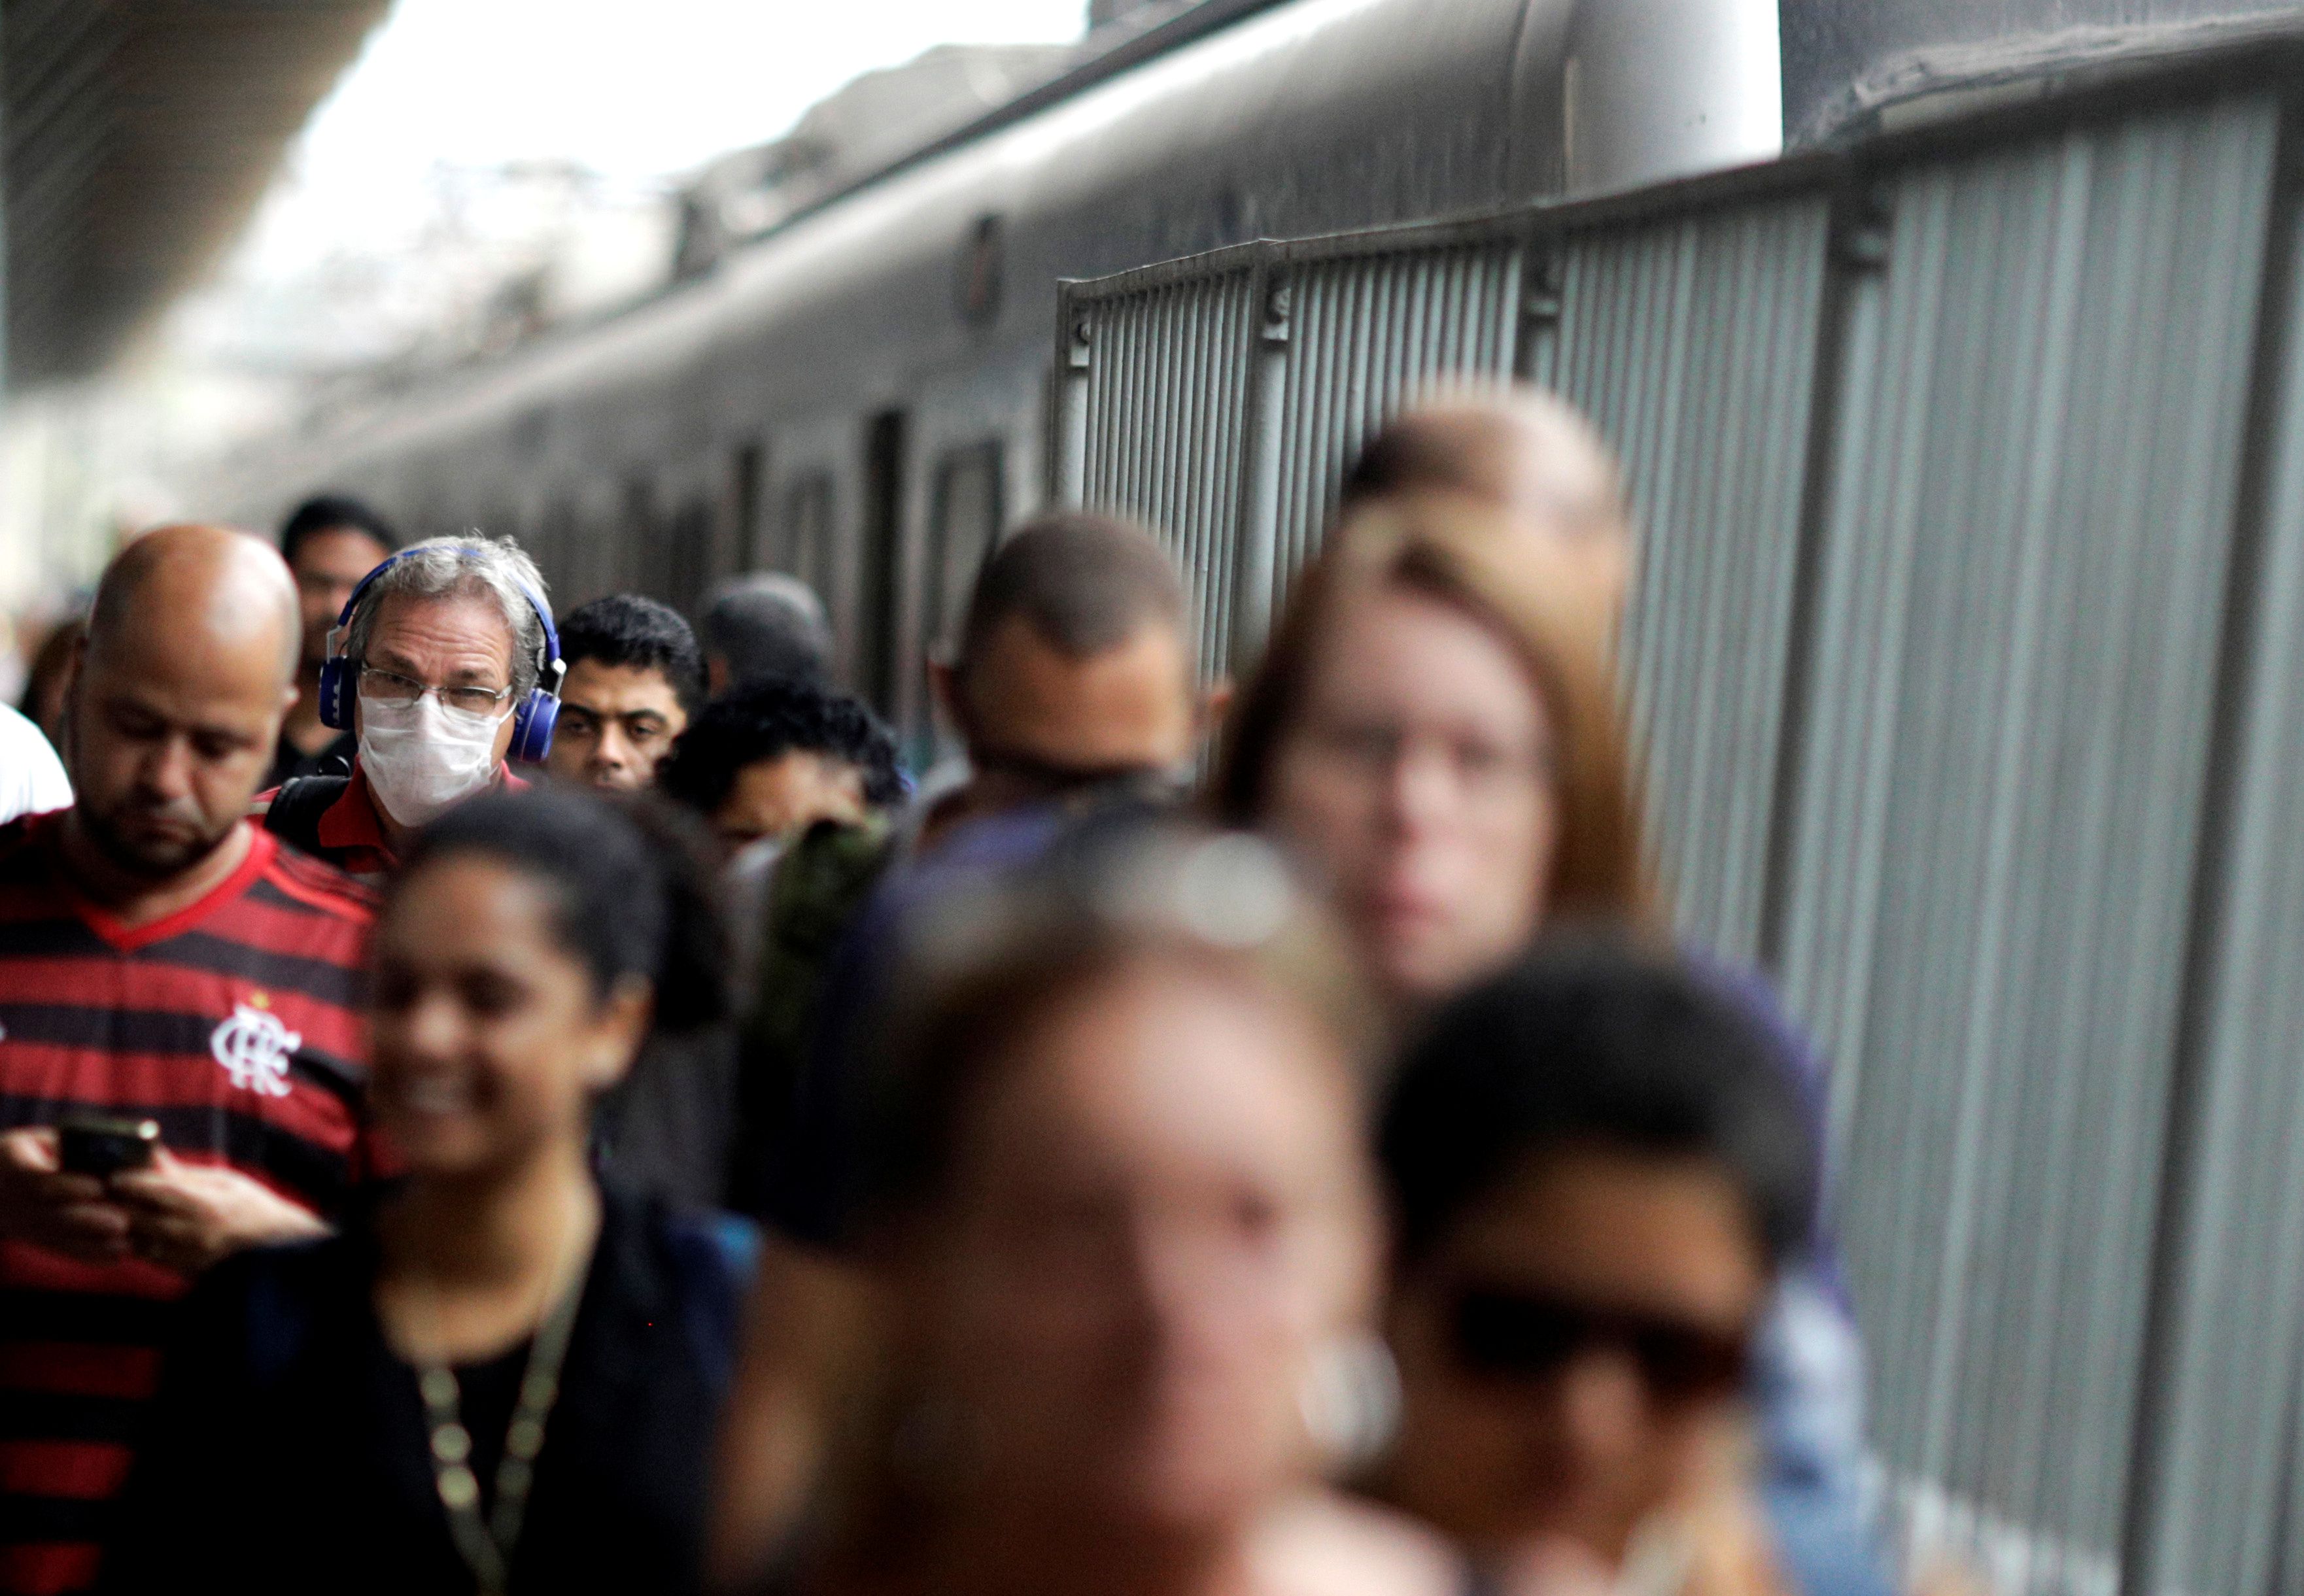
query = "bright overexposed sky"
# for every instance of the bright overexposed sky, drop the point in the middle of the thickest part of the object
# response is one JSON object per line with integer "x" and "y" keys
{"x": 633, "y": 88}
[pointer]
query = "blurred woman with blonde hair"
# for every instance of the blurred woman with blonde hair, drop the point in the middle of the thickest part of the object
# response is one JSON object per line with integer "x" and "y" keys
{"x": 1434, "y": 733}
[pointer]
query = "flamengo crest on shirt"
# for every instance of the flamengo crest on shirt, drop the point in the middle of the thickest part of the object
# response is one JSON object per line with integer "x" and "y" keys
{"x": 253, "y": 1047}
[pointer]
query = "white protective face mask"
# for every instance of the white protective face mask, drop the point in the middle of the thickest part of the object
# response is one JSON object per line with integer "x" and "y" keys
{"x": 423, "y": 758}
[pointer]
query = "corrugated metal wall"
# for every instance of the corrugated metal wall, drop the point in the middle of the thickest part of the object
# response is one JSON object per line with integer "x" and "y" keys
{"x": 1968, "y": 661}
{"x": 1692, "y": 341}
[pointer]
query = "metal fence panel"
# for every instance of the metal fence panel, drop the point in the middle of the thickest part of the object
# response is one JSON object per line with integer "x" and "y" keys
{"x": 2014, "y": 675}
{"x": 2224, "y": 1396}
{"x": 1163, "y": 411}
{"x": 1366, "y": 333}
{"x": 1692, "y": 344}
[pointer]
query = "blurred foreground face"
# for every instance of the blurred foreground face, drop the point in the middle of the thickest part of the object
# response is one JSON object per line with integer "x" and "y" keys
{"x": 168, "y": 742}
{"x": 486, "y": 1038}
{"x": 617, "y": 724}
{"x": 1571, "y": 1356}
{"x": 1155, "y": 1217}
{"x": 1034, "y": 712}
{"x": 784, "y": 796}
{"x": 1418, "y": 782}
{"x": 328, "y": 565}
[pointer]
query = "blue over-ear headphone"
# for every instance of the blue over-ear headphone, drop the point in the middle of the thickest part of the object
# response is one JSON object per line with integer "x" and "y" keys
{"x": 531, "y": 721}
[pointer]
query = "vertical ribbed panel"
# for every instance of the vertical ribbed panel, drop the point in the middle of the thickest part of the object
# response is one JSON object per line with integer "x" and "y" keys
{"x": 1980, "y": 604}
{"x": 1692, "y": 344}
{"x": 2227, "y": 1397}
{"x": 1367, "y": 331}
{"x": 1166, "y": 404}
{"x": 2000, "y": 799}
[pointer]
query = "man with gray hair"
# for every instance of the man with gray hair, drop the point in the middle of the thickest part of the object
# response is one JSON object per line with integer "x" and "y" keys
{"x": 762, "y": 626}
{"x": 443, "y": 663}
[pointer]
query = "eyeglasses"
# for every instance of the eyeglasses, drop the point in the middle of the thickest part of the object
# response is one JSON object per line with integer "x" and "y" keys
{"x": 1524, "y": 1335}
{"x": 1373, "y": 749}
{"x": 391, "y": 688}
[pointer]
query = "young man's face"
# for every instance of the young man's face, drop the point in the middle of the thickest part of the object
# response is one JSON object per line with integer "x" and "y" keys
{"x": 328, "y": 565}
{"x": 786, "y": 795}
{"x": 617, "y": 724}
{"x": 1572, "y": 1354}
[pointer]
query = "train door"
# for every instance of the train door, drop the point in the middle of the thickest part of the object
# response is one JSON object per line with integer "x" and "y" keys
{"x": 879, "y": 561}
{"x": 805, "y": 543}
{"x": 967, "y": 510}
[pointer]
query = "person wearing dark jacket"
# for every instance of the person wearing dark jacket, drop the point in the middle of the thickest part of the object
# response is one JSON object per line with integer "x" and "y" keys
{"x": 502, "y": 1377}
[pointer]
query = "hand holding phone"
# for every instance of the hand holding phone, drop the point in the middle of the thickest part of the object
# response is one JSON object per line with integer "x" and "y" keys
{"x": 45, "y": 1205}
{"x": 102, "y": 1145}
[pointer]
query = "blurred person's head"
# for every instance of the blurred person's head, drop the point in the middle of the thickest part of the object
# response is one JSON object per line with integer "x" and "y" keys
{"x": 1075, "y": 662}
{"x": 47, "y": 680}
{"x": 634, "y": 678}
{"x": 1434, "y": 732}
{"x": 330, "y": 542}
{"x": 445, "y": 645}
{"x": 773, "y": 758}
{"x": 526, "y": 948}
{"x": 765, "y": 626}
{"x": 1524, "y": 451}
{"x": 1119, "y": 1200}
{"x": 1598, "y": 1163}
{"x": 187, "y": 664}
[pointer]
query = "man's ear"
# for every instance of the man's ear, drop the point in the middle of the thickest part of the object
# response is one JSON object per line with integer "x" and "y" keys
{"x": 945, "y": 689}
{"x": 1215, "y": 704}
{"x": 625, "y": 1015}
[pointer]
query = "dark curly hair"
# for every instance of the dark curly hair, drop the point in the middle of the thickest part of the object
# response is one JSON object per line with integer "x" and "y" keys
{"x": 1596, "y": 1040}
{"x": 767, "y": 720}
{"x": 625, "y": 628}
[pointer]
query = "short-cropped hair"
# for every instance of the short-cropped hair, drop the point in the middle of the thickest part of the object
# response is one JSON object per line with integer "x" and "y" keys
{"x": 332, "y": 512}
{"x": 1086, "y": 583}
{"x": 490, "y": 567}
{"x": 627, "y": 631}
{"x": 1595, "y": 1044}
{"x": 769, "y": 625}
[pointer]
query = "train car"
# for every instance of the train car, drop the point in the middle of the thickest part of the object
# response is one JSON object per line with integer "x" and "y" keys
{"x": 862, "y": 396}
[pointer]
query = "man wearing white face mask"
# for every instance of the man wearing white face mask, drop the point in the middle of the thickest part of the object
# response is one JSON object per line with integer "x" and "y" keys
{"x": 444, "y": 663}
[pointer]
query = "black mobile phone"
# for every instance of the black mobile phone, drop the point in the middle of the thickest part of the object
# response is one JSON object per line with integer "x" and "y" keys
{"x": 105, "y": 1144}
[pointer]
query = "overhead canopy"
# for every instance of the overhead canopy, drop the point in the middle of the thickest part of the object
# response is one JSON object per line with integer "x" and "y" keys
{"x": 135, "y": 138}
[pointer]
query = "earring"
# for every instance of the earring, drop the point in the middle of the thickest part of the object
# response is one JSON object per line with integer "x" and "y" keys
{"x": 1350, "y": 1400}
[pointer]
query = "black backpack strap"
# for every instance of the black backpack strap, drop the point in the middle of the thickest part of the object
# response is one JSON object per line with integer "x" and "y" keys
{"x": 297, "y": 807}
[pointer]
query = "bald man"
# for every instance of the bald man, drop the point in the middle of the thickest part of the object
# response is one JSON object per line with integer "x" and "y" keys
{"x": 1528, "y": 452}
{"x": 179, "y": 1053}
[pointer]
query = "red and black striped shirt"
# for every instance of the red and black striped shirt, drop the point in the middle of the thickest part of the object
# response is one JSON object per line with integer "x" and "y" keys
{"x": 234, "y": 1023}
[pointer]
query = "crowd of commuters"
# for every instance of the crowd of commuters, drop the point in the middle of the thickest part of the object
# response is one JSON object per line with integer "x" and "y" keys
{"x": 717, "y": 1161}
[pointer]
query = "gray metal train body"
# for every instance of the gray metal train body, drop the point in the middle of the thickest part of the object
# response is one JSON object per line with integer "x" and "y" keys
{"x": 862, "y": 397}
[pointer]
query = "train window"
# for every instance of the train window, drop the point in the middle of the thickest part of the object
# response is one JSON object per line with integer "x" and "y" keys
{"x": 807, "y": 533}
{"x": 560, "y": 552}
{"x": 745, "y": 474}
{"x": 968, "y": 518}
{"x": 640, "y": 567}
{"x": 687, "y": 555}
{"x": 877, "y": 560}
